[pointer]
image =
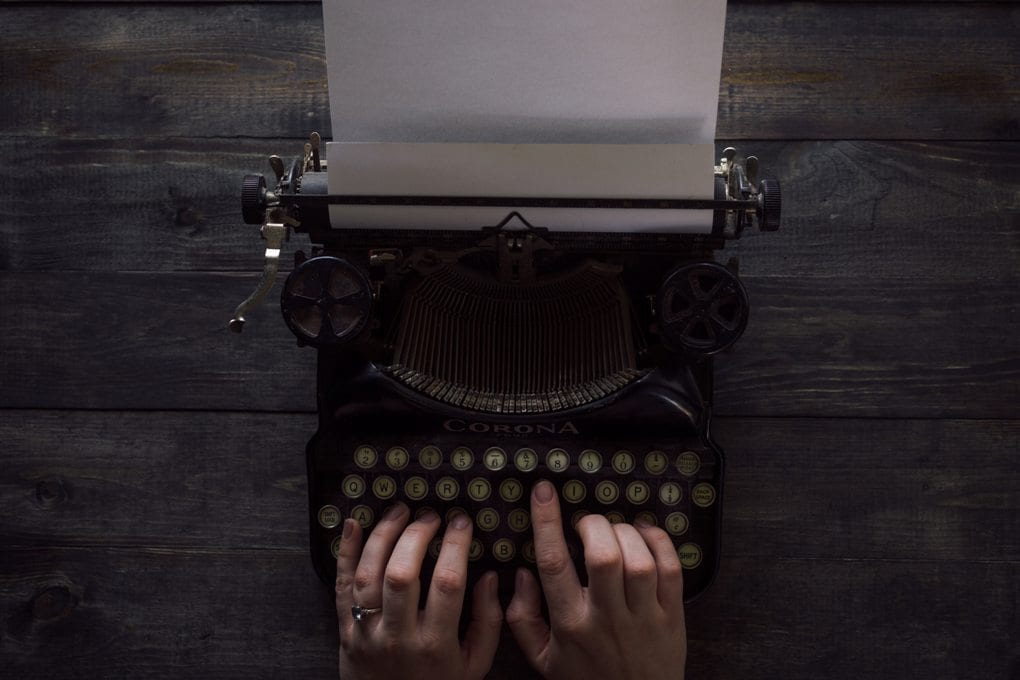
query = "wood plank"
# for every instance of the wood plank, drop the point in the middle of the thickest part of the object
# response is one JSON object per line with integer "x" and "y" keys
{"x": 795, "y": 488}
{"x": 106, "y": 613}
{"x": 936, "y": 210}
{"x": 883, "y": 347}
{"x": 892, "y": 71}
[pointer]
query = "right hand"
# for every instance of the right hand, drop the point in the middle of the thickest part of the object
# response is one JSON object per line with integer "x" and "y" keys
{"x": 628, "y": 624}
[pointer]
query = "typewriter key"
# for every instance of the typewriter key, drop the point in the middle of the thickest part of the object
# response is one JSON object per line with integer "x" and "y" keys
{"x": 364, "y": 515}
{"x": 430, "y": 457}
{"x": 503, "y": 550}
{"x": 511, "y": 490}
{"x": 623, "y": 462}
{"x": 384, "y": 487}
{"x": 557, "y": 460}
{"x": 526, "y": 460}
{"x": 518, "y": 519}
{"x": 353, "y": 486}
{"x": 329, "y": 517}
{"x": 703, "y": 495}
{"x": 447, "y": 488}
{"x": 487, "y": 519}
{"x": 416, "y": 488}
{"x": 670, "y": 493}
{"x": 614, "y": 517}
{"x": 590, "y": 461}
{"x": 476, "y": 550}
{"x": 676, "y": 523}
{"x": 574, "y": 491}
{"x": 397, "y": 458}
{"x": 462, "y": 458}
{"x": 656, "y": 462}
{"x": 365, "y": 457}
{"x": 690, "y": 555}
{"x": 688, "y": 463}
{"x": 646, "y": 518}
{"x": 494, "y": 458}
{"x": 479, "y": 489}
{"x": 334, "y": 547}
{"x": 637, "y": 492}
{"x": 607, "y": 492}
{"x": 528, "y": 550}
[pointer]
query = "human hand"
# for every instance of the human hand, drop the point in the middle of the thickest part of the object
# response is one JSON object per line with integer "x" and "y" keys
{"x": 400, "y": 641}
{"x": 628, "y": 624}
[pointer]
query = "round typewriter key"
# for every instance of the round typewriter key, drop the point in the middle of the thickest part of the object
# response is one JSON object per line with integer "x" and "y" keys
{"x": 670, "y": 493}
{"x": 688, "y": 463}
{"x": 397, "y": 458}
{"x": 494, "y": 458}
{"x": 434, "y": 545}
{"x": 614, "y": 517}
{"x": 689, "y": 554}
{"x": 557, "y": 460}
{"x": 511, "y": 490}
{"x": 364, "y": 515}
{"x": 590, "y": 461}
{"x": 384, "y": 487}
{"x": 416, "y": 488}
{"x": 703, "y": 495}
{"x": 476, "y": 550}
{"x": 365, "y": 457}
{"x": 676, "y": 523}
{"x": 574, "y": 491}
{"x": 637, "y": 492}
{"x": 526, "y": 460}
{"x": 329, "y": 517}
{"x": 607, "y": 492}
{"x": 577, "y": 516}
{"x": 334, "y": 547}
{"x": 462, "y": 458}
{"x": 623, "y": 462}
{"x": 353, "y": 486}
{"x": 646, "y": 518}
{"x": 656, "y": 462}
{"x": 503, "y": 550}
{"x": 528, "y": 550}
{"x": 518, "y": 519}
{"x": 487, "y": 519}
{"x": 430, "y": 457}
{"x": 447, "y": 488}
{"x": 479, "y": 489}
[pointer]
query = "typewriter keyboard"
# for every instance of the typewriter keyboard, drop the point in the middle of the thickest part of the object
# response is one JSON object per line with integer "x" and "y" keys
{"x": 673, "y": 487}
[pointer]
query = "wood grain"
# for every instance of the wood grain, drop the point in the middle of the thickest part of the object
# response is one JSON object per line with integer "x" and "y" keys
{"x": 946, "y": 211}
{"x": 884, "y": 347}
{"x": 890, "y": 71}
{"x": 109, "y": 613}
{"x": 811, "y": 488}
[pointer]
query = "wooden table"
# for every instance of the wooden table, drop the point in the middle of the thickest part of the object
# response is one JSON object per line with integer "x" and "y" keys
{"x": 152, "y": 493}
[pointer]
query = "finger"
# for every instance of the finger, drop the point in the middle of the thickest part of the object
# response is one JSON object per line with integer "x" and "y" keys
{"x": 482, "y": 636}
{"x": 603, "y": 561}
{"x": 639, "y": 569}
{"x": 401, "y": 586}
{"x": 449, "y": 579}
{"x": 670, "y": 580}
{"x": 524, "y": 616}
{"x": 346, "y": 563}
{"x": 368, "y": 577}
{"x": 555, "y": 569}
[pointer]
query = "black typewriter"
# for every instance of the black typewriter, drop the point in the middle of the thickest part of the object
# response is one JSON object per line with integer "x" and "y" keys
{"x": 456, "y": 368}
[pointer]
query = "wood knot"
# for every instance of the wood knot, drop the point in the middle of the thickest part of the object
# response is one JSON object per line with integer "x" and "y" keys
{"x": 50, "y": 492}
{"x": 54, "y": 603}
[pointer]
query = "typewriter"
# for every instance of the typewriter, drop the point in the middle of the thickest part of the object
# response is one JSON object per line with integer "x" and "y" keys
{"x": 458, "y": 367}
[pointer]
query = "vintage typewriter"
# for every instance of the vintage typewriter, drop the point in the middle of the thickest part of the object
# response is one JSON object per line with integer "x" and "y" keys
{"x": 458, "y": 367}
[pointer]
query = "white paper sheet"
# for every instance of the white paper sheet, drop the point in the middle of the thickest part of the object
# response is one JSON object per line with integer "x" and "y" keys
{"x": 597, "y": 72}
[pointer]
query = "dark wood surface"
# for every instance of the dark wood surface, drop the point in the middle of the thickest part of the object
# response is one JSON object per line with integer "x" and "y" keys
{"x": 152, "y": 493}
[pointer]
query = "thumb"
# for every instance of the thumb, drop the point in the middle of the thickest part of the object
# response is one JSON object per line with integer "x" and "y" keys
{"x": 524, "y": 616}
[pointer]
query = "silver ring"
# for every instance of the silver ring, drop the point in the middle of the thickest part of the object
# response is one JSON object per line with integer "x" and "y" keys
{"x": 361, "y": 613}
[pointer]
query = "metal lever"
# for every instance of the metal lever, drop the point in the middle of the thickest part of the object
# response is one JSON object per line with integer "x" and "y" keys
{"x": 275, "y": 232}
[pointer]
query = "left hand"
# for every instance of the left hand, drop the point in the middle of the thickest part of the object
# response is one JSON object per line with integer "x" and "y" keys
{"x": 400, "y": 641}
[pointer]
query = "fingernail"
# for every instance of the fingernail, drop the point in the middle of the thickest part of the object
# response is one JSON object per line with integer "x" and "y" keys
{"x": 544, "y": 491}
{"x": 460, "y": 521}
{"x": 393, "y": 511}
{"x": 348, "y": 527}
{"x": 643, "y": 523}
{"x": 429, "y": 517}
